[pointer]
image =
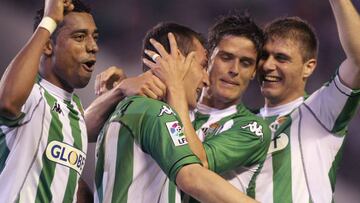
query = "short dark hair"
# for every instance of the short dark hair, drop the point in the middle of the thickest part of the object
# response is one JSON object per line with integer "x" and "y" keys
{"x": 79, "y": 6}
{"x": 184, "y": 37}
{"x": 238, "y": 24}
{"x": 296, "y": 29}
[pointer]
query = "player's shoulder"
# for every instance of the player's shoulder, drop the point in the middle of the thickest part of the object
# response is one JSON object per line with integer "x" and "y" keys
{"x": 244, "y": 115}
{"x": 143, "y": 106}
{"x": 249, "y": 122}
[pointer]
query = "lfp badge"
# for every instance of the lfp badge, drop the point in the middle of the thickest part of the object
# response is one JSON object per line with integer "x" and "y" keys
{"x": 176, "y": 133}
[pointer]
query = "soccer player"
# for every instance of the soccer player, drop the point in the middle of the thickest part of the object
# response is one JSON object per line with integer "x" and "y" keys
{"x": 235, "y": 43}
{"x": 43, "y": 134}
{"x": 308, "y": 131}
{"x": 142, "y": 131}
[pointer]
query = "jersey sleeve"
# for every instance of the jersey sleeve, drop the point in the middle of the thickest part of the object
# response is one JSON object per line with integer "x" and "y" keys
{"x": 334, "y": 105}
{"x": 27, "y": 109}
{"x": 159, "y": 131}
{"x": 244, "y": 144}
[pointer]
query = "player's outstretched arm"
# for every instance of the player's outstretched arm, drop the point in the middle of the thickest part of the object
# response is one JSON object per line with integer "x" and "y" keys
{"x": 207, "y": 186}
{"x": 348, "y": 24}
{"x": 19, "y": 77}
{"x": 112, "y": 86}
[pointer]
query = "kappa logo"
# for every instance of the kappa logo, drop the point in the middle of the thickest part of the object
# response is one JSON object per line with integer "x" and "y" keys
{"x": 166, "y": 110}
{"x": 56, "y": 108}
{"x": 176, "y": 133}
{"x": 255, "y": 128}
{"x": 66, "y": 155}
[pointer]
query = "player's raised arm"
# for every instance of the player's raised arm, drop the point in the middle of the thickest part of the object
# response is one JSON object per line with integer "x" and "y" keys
{"x": 19, "y": 77}
{"x": 348, "y": 24}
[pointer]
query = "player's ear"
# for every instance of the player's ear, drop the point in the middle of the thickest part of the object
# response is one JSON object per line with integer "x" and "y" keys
{"x": 309, "y": 67}
{"x": 48, "y": 48}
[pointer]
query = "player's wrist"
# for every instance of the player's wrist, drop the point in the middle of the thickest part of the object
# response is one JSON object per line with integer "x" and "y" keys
{"x": 48, "y": 24}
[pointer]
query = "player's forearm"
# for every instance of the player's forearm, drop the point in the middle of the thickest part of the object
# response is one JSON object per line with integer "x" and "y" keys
{"x": 176, "y": 99}
{"x": 207, "y": 186}
{"x": 348, "y": 24}
{"x": 19, "y": 77}
{"x": 99, "y": 111}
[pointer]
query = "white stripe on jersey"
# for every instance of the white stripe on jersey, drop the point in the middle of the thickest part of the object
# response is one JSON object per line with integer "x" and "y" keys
{"x": 110, "y": 160}
{"x": 61, "y": 176}
{"x": 299, "y": 191}
{"x": 319, "y": 148}
{"x": 265, "y": 191}
{"x": 148, "y": 178}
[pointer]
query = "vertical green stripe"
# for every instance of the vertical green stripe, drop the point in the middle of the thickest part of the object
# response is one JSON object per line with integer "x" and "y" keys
{"x": 4, "y": 150}
{"x": 348, "y": 112}
{"x": 335, "y": 167}
{"x": 99, "y": 168}
{"x": 281, "y": 160}
{"x": 172, "y": 192}
{"x": 99, "y": 171}
{"x": 252, "y": 184}
{"x": 76, "y": 133}
{"x": 77, "y": 101}
{"x": 124, "y": 166}
{"x": 43, "y": 193}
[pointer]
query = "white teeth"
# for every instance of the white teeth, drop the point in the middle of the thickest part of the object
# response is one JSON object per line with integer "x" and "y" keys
{"x": 272, "y": 78}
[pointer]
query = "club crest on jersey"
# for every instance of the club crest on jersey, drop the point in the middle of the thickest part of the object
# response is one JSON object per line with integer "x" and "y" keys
{"x": 255, "y": 128}
{"x": 66, "y": 155}
{"x": 278, "y": 143}
{"x": 166, "y": 110}
{"x": 214, "y": 128}
{"x": 176, "y": 133}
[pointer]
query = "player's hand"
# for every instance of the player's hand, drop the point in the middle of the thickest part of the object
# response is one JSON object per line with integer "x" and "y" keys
{"x": 145, "y": 84}
{"x": 55, "y": 9}
{"x": 108, "y": 79}
{"x": 171, "y": 67}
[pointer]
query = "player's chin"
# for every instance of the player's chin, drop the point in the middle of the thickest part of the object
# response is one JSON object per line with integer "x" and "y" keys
{"x": 192, "y": 104}
{"x": 82, "y": 82}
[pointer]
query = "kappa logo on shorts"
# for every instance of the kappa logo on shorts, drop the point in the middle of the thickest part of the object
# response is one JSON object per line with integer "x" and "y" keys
{"x": 176, "y": 133}
{"x": 255, "y": 128}
{"x": 66, "y": 155}
{"x": 166, "y": 110}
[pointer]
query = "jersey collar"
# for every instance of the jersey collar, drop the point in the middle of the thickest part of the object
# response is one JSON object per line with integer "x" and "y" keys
{"x": 57, "y": 91}
{"x": 282, "y": 109}
{"x": 204, "y": 109}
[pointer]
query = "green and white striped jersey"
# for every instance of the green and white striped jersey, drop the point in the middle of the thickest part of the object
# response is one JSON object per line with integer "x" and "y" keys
{"x": 42, "y": 153}
{"x": 126, "y": 170}
{"x": 235, "y": 141}
{"x": 306, "y": 145}
{"x": 140, "y": 145}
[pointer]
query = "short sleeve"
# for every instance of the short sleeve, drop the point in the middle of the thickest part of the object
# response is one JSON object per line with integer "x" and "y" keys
{"x": 158, "y": 130}
{"x": 27, "y": 109}
{"x": 334, "y": 105}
